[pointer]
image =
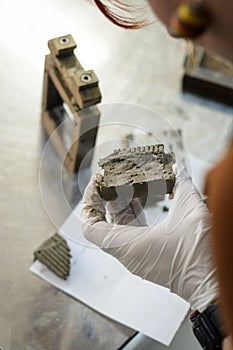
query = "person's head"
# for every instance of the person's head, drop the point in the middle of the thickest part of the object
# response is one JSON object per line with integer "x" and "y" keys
{"x": 217, "y": 36}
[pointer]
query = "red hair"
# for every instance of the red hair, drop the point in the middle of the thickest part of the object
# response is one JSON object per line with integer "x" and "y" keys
{"x": 127, "y": 21}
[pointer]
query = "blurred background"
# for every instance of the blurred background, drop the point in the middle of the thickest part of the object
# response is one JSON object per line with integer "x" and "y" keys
{"x": 142, "y": 68}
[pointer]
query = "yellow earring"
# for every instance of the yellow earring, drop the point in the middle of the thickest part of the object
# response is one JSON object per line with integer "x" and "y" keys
{"x": 189, "y": 21}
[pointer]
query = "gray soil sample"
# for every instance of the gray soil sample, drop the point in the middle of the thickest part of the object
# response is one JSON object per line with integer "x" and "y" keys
{"x": 143, "y": 171}
{"x": 55, "y": 254}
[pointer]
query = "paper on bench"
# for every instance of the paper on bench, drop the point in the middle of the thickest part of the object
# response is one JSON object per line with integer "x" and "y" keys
{"x": 100, "y": 281}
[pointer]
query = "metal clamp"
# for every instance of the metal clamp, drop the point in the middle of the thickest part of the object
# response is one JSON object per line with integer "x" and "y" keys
{"x": 70, "y": 95}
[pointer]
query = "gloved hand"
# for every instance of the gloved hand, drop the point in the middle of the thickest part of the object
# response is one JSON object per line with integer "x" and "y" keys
{"x": 125, "y": 210}
{"x": 175, "y": 253}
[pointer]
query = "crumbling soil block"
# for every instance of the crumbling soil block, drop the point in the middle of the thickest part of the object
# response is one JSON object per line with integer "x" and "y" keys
{"x": 141, "y": 171}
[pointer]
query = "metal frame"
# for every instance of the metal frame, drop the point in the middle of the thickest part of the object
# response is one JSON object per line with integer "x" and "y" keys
{"x": 70, "y": 92}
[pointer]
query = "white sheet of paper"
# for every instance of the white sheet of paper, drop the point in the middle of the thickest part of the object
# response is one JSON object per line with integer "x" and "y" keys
{"x": 100, "y": 281}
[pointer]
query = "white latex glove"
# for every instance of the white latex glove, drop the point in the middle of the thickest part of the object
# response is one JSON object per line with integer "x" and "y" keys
{"x": 125, "y": 210}
{"x": 175, "y": 253}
